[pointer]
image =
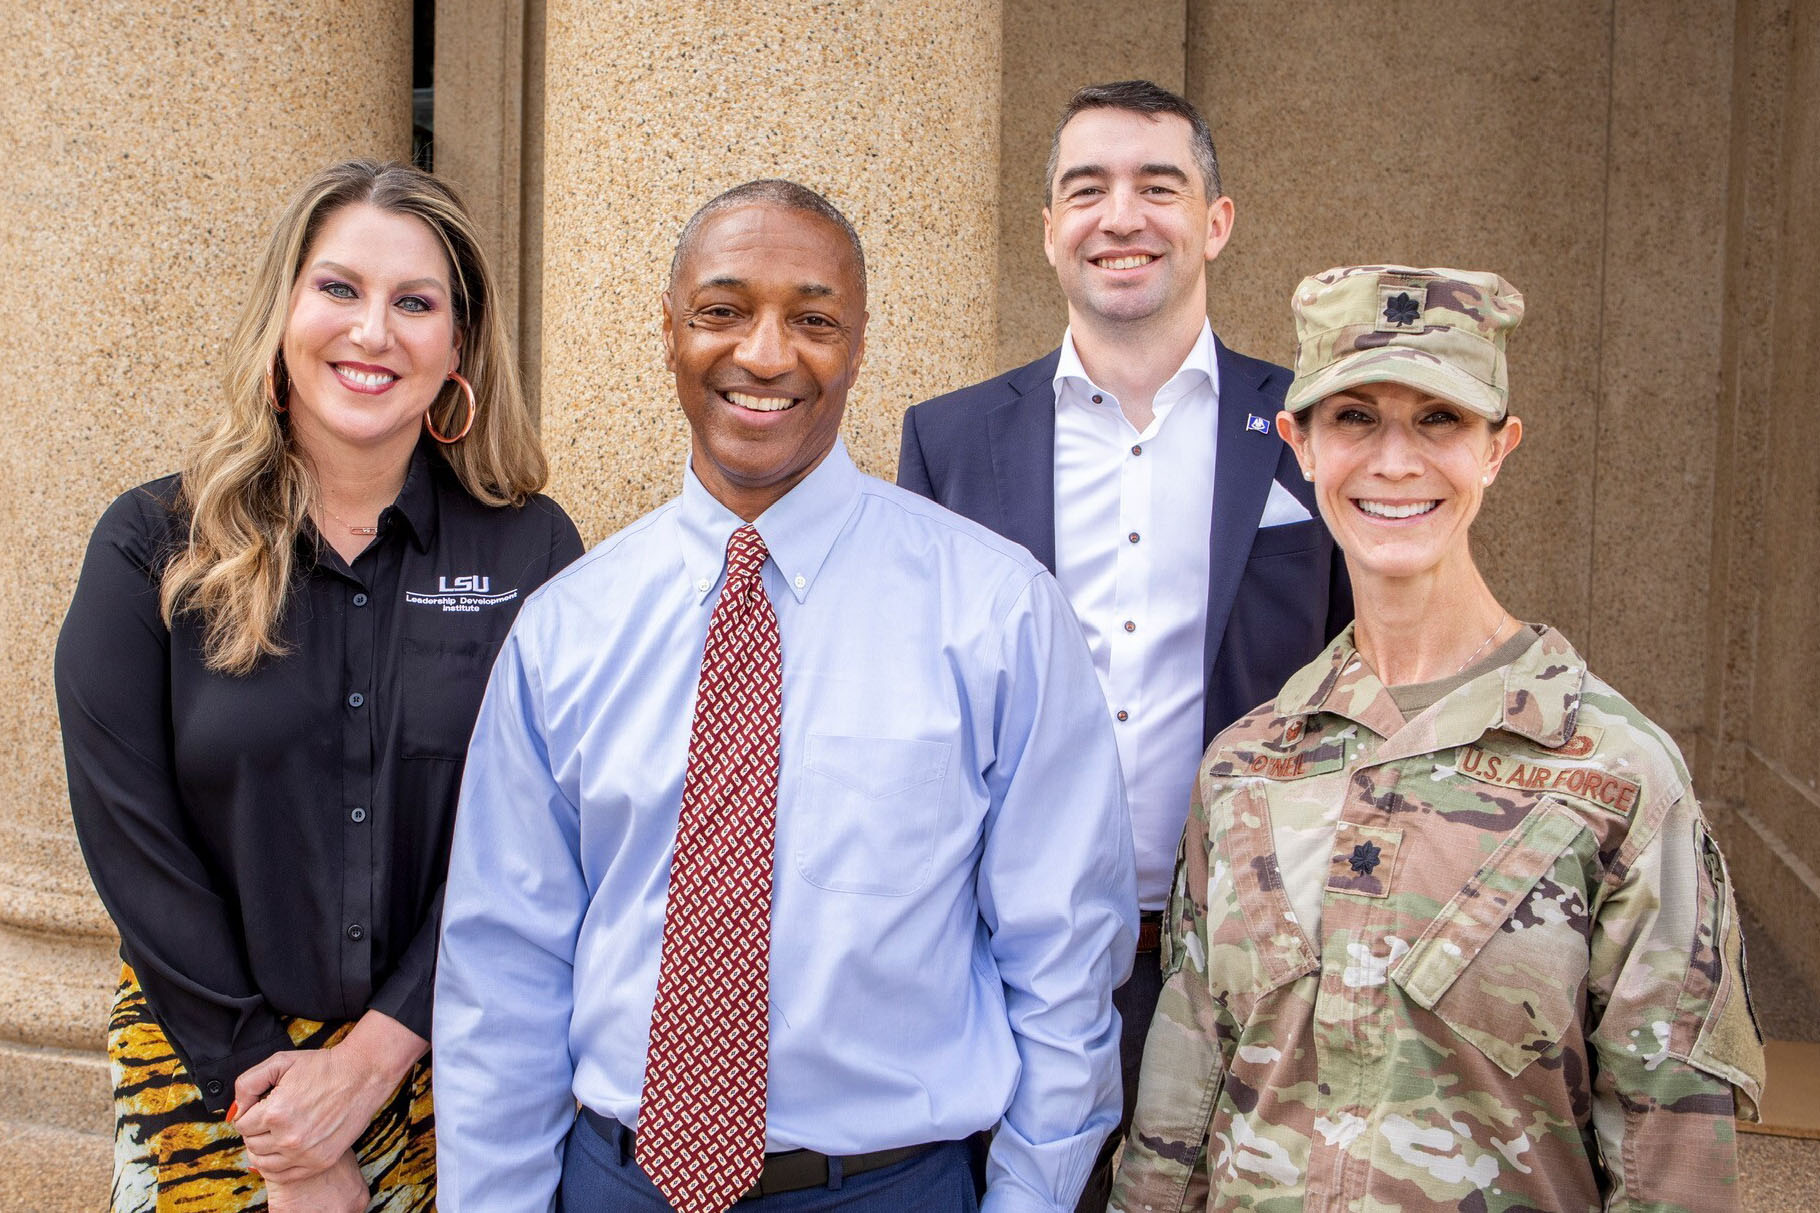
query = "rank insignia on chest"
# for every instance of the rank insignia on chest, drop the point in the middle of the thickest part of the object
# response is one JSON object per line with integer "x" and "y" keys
{"x": 1363, "y": 860}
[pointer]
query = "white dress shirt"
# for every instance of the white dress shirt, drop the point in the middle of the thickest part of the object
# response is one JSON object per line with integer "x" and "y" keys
{"x": 1133, "y": 516}
{"x": 953, "y": 896}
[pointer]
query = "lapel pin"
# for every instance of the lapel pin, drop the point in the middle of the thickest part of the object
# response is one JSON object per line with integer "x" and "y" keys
{"x": 1256, "y": 424}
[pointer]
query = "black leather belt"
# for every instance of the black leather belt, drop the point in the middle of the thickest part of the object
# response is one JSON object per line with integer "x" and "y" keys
{"x": 1150, "y": 931}
{"x": 789, "y": 1171}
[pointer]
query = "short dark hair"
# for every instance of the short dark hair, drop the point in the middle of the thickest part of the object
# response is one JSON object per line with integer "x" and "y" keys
{"x": 771, "y": 191}
{"x": 1139, "y": 97}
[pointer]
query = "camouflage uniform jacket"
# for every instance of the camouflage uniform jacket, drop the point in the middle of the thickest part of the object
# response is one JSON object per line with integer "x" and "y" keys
{"x": 1527, "y": 993}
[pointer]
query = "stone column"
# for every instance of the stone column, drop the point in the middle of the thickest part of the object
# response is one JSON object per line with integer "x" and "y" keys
{"x": 144, "y": 151}
{"x": 891, "y": 110}
{"x": 489, "y": 143}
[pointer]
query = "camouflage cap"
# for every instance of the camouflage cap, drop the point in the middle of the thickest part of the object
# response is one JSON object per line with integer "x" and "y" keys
{"x": 1436, "y": 330}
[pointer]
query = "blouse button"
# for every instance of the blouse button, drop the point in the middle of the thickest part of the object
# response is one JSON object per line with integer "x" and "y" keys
{"x": 360, "y": 600}
{"x": 1130, "y": 626}
{"x": 1137, "y": 450}
{"x": 1133, "y": 536}
{"x": 356, "y": 932}
{"x": 214, "y": 1087}
{"x": 1098, "y": 399}
{"x": 358, "y": 816}
{"x": 1124, "y": 715}
{"x": 356, "y": 699}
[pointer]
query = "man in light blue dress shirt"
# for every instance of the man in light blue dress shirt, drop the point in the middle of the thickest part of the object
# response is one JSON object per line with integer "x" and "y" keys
{"x": 953, "y": 894}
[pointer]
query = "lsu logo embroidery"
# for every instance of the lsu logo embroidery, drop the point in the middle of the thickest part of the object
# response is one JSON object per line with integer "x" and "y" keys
{"x": 467, "y": 594}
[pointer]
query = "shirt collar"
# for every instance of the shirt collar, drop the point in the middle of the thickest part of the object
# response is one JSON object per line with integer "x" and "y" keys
{"x": 1536, "y": 696}
{"x": 799, "y": 529}
{"x": 1199, "y": 364}
{"x": 416, "y": 505}
{"x": 416, "y": 509}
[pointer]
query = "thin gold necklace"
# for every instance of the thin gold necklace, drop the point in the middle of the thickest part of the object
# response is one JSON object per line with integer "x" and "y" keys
{"x": 1498, "y": 627}
{"x": 374, "y": 529}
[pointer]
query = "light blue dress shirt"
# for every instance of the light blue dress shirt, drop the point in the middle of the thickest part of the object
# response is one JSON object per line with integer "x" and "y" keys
{"x": 953, "y": 893}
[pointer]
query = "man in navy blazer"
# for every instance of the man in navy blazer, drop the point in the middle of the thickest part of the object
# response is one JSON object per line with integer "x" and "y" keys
{"x": 1139, "y": 463}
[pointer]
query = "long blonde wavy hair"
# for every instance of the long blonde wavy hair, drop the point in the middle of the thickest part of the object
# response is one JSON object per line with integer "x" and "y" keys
{"x": 246, "y": 489}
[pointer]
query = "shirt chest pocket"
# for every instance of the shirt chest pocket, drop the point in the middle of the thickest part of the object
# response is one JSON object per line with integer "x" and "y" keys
{"x": 1504, "y": 963}
{"x": 441, "y": 685}
{"x": 871, "y": 808}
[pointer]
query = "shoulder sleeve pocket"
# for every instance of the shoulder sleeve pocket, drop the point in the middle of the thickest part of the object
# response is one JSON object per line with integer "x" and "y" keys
{"x": 1728, "y": 1043}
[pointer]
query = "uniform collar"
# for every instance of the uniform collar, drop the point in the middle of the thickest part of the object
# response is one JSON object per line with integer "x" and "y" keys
{"x": 799, "y": 529}
{"x": 1536, "y": 696}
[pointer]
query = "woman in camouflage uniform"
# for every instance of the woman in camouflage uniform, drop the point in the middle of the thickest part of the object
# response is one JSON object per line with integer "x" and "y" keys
{"x": 1449, "y": 930}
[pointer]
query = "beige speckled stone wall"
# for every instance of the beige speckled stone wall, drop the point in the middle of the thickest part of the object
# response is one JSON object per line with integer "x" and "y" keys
{"x": 144, "y": 148}
{"x": 891, "y": 110}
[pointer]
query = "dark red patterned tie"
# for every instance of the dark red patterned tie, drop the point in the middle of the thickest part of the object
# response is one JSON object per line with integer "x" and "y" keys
{"x": 701, "y": 1119}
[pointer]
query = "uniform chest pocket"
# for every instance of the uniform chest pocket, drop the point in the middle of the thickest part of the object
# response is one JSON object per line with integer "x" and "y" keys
{"x": 442, "y": 683}
{"x": 1504, "y": 963}
{"x": 872, "y": 806}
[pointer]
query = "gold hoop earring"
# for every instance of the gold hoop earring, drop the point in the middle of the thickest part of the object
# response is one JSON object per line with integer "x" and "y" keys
{"x": 467, "y": 391}
{"x": 271, "y": 385}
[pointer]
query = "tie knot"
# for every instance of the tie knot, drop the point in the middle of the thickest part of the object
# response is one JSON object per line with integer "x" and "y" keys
{"x": 746, "y": 553}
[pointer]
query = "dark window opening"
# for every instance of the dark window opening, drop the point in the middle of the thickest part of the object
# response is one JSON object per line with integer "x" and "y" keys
{"x": 423, "y": 83}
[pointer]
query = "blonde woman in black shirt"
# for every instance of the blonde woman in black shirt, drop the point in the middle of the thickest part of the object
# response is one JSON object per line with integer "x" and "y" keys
{"x": 266, "y": 682}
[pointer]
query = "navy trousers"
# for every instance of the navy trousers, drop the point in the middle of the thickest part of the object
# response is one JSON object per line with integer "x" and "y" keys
{"x": 599, "y": 1176}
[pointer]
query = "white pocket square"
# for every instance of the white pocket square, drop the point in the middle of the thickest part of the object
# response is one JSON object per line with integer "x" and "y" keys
{"x": 1282, "y": 508}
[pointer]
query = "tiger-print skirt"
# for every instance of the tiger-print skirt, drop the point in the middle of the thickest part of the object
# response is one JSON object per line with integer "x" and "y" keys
{"x": 172, "y": 1154}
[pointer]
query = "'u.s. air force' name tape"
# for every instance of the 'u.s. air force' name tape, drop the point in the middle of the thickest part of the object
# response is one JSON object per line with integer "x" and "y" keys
{"x": 1602, "y": 788}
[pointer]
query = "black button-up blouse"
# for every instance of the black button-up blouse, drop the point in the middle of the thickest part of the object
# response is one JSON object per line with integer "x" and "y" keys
{"x": 274, "y": 844}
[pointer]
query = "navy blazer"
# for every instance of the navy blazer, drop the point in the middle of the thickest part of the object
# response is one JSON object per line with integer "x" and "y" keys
{"x": 1275, "y": 597}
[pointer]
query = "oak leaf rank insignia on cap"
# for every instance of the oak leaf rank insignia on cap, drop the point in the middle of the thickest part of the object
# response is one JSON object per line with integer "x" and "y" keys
{"x": 1440, "y": 331}
{"x": 1401, "y": 311}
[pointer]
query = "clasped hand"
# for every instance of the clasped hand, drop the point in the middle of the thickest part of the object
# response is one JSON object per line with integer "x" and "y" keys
{"x": 300, "y": 1112}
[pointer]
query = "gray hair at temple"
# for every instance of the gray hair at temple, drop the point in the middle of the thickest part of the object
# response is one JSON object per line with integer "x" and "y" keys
{"x": 770, "y": 191}
{"x": 1139, "y": 97}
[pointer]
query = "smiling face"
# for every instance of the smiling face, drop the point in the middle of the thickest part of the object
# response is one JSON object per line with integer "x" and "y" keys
{"x": 1129, "y": 228}
{"x": 370, "y": 337}
{"x": 764, "y": 328}
{"x": 1399, "y": 475}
